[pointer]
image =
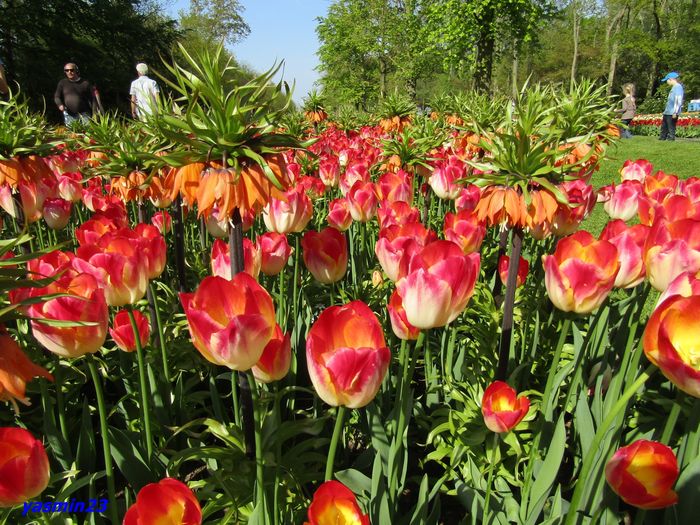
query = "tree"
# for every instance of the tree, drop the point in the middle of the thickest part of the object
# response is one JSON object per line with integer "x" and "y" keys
{"x": 215, "y": 21}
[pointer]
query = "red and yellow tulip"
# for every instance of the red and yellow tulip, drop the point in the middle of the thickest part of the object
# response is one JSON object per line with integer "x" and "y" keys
{"x": 168, "y": 502}
{"x": 325, "y": 254}
{"x": 335, "y": 504}
{"x": 24, "y": 467}
{"x": 501, "y": 408}
{"x": 123, "y": 333}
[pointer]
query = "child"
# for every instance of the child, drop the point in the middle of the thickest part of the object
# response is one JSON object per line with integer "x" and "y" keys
{"x": 629, "y": 108}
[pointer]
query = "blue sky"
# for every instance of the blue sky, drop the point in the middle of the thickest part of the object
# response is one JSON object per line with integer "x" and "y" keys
{"x": 279, "y": 29}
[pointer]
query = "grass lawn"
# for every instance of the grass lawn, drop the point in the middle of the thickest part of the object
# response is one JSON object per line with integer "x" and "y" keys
{"x": 682, "y": 158}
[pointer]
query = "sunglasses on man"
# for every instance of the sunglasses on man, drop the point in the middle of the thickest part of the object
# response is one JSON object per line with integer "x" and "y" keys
{"x": 69, "y": 70}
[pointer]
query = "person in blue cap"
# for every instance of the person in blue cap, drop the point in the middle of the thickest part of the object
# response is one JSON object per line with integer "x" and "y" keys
{"x": 674, "y": 105}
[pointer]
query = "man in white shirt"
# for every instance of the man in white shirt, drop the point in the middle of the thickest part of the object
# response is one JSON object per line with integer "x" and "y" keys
{"x": 144, "y": 94}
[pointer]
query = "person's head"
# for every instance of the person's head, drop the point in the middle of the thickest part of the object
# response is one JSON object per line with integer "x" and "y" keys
{"x": 142, "y": 69}
{"x": 671, "y": 78}
{"x": 71, "y": 70}
{"x": 628, "y": 90}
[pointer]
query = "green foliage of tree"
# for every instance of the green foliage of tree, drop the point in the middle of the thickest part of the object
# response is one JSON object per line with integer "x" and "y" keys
{"x": 215, "y": 21}
{"x": 106, "y": 38}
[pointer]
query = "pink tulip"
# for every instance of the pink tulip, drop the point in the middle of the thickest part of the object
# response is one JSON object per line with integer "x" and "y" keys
{"x": 163, "y": 221}
{"x": 221, "y": 259}
{"x": 671, "y": 249}
{"x": 395, "y": 187}
{"x": 397, "y": 245}
{"x": 123, "y": 333}
{"x": 339, "y": 214}
{"x": 624, "y": 200}
{"x": 362, "y": 201}
{"x": 397, "y": 316}
{"x": 274, "y": 250}
{"x": 329, "y": 171}
{"x": 398, "y": 212}
{"x": 629, "y": 241}
{"x": 325, "y": 254}
{"x": 290, "y": 215}
{"x": 636, "y": 170}
{"x": 57, "y": 213}
{"x": 465, "y": 230}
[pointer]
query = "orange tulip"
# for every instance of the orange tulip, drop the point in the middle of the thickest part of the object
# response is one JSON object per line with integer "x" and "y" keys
{"x": 398, "y": 212}
{"x": 643, "y": 474}
{"x": 670, "y": 341}
{"x": 123, "y": 333}
{"x": 395, "y": 187}
{"x": 501, "y": 410}
{"x": 230, "y": 322}
{"x": 325, "y": 254}
{"x": 168, "y": 502}
{"x": 335, "y": 504}
{"x": 15, "y": 370}
{"x": 346, "y": 355}
{"x": 580, "y": 273}
{"x": 24, "y": 467}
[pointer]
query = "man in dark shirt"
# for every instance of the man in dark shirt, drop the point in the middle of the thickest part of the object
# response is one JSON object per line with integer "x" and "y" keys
{"x": 74, "y": 96}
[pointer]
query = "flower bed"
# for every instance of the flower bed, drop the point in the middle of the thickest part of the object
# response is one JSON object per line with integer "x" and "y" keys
{"x": 687, "y": 127}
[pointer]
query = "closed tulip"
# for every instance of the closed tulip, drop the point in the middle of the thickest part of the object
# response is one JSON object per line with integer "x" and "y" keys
{"x": 468, "y": 198}
{"x": 643, "y": 474}
{"x": 671, "y": 249}
{"x": 276, "y": 359}
{"x": 629, "y": 241}
{"x": 396, "y": 187}
{"x": 581, "y": 199}
{"x": 444, "y": 177}
{"x": 438, "y": 285}
{"x": 86, "y": 304}
{"x": 339, "y": 214}
{"x": 335, "y": 504}
{"x": 274, "y": 252}
{"x": 465, "y": 230}
{"x": 230, "y": 322}
{"x": 57, "y": 213}
{"x": 399, "y": 212}
{"x": 580, "y": 273}
{"x": 523, "y": 269}
{"x": 329, "y": 170}
{"x": 221, "y": 259}
{"x": 623, "y": 200}
{"x": 70, "y": 186}
{"x": 118, "y": 262}
{"x": 163, "y": 221}
{"x": 168, "y": 502}
{"x": 637, "y": 170}
{"x": 346, "y": 355}
{"x": 670, "y": 341}
{"x": 325, "y": 254}
{"x": 16, "y": 369}
{"x": 289, "y": 215}
{"x": 398, "y": 244}
{"x": 153, "y": 248}
{"x": 123, "y": 333}
{"x": 397, "y": 316}
{"x": 24, "y": 467}
{"x": 501, "y": 408}
{"x": 362, "y": 201}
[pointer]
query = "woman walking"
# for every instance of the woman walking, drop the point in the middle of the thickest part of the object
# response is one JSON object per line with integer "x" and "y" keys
{"x": 629, "y": 108}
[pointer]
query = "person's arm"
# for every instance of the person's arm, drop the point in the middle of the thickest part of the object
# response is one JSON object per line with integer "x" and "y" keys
{"x": 58, "y": 97}
{"x": 97, "y": 108}
{"x": 133, "y": 106}
{"x": 4, "y": 88}
{"x": 677, "y": 103}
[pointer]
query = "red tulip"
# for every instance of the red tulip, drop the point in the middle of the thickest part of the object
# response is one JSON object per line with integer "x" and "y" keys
{"x": 362, "y": 201}
{"x": 346, "y": 355}
{"x": 580, "y": 273}
{"x": 468, "y": 198}
{"x": 153, "y": 248}
{"x": 399, "y": 324}
{"x": 396, "y": 187}
{"x": 643, "y": 474}
{"x": 523, "y": 269}
{"x": 329, "y": 170}
{"x": 24, "y": 467}
{"x": 637, "y": 170}
{"x": 168, "y": 502}
{"x": 221, "y": 259}
{"x": 399, "y": 212}
{"x": 86, "y": 304}
{"x": 123, "y": 333}
{"x": 397, "y": 245}
{"x": 290, "y": 215}
{"x": 671, "y": 249}
{"x": 335, "y": 504}
{"x": 57, "y": 213}
{"x": 465, "y": 230}
{"x": 118, "y": 262}
{"x": 438, "y": 285}
{"x": 230, "y": 322}
{"x": 276, "y": 359}
{"x": 15, "y": 370}
{"x": 274, "y": 251}
{"x": 339, "y": 215}
{"x": 670, "y": 341}
{"x": 325, "y": 254}
{"x": 581, "y": 198}
{"x": 501, "y": 410}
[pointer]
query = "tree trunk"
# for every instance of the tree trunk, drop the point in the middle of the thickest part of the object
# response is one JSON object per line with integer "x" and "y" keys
{"x": 653, "y": 80}
{"x": 411, "y": 88}
{"x": 485, "y": 46}
{"x": 576, "y": 34}
{"x": 613, "y": 63}
{"x": 613, "y": 44}
{"x": 514, "y": 70}
{"x": 382, "y": 77}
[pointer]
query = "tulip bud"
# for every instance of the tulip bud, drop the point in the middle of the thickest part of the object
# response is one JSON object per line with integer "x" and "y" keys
{"x": 123, "y": 333}
{"x": 57, "y": 213}
{"x": 24, "y": 467}
{"x": 274, "y": 250}
{"x": 501, "y": 410}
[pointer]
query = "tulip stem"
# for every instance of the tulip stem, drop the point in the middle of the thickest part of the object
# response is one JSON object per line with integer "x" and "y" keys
{"x": 594, "y": 450}
{"x": 58, "y": 378}
{"x": 508, "y": 306}
{"x": 106, "y": 446}
{"x": 259, "y": 471}
{"x": 161, "y": 337}
{"x": 234, "y": 397}
{"x": 337, "y": 430}
{"x": 145, "y": 413}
